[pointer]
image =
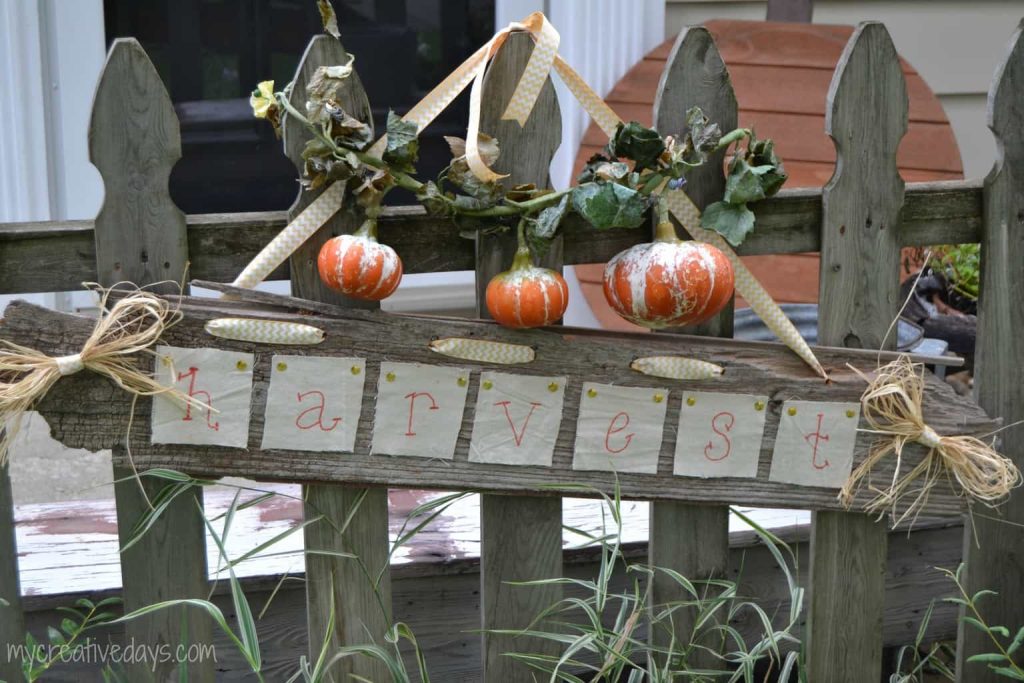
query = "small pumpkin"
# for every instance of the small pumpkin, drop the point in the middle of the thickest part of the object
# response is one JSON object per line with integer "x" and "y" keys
{"x": 668, "y": 282}
{"x": 525, "y": 295}
{"x": 359, "y": 266}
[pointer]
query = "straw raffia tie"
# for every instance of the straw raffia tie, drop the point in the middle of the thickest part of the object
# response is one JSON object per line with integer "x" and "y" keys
{"x": 130, "y": 327}
{"x": 891, "y": 405}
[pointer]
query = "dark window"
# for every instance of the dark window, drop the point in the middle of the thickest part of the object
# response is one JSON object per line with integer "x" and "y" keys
{"x": 211, "y": 54}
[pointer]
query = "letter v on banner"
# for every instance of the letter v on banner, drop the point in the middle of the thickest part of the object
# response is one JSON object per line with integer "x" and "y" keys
{"x": 517, "y": 419}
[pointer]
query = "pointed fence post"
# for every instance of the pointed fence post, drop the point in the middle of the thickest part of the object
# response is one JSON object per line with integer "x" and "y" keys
{"x": 692, "y": 539}
{"x": 994, "y": 543}
{"x": 134, "y": 141}
{"x": 12, "y": 620}
{"x": 337, "y": 591}
{"x": 521, "y": 536}
{"x": 858, "y": 299}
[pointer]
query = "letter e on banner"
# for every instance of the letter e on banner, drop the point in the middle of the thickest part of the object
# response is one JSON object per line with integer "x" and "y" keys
{"x": 218, "y": 379}
{"x": 517, "y": 419}
{"x": 719, "y": 434}
{"x": 814, "y": 446}
{"x": 619, "y": 428}
{"x": 419, "y": 409}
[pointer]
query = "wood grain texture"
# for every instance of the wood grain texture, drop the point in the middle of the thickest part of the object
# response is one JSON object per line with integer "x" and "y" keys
{"x": 859, "y": 288}
{"x": 695, "y": 76}
{"x": 12, "y": 621}
{"x": 693, "y": 540}
{"x": 60, "y": 255}
{"x": 140, "y": 237}
{"x": 995, "y": 551}
{"x": 85, "y": 411}
{"x": 134, "y": 141}
{"x": 521, "y": 536}
{"x": 343, "y": 606}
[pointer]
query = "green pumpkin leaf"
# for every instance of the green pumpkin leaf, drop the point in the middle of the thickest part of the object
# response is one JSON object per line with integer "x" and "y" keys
{"x": 731, "y": 221}
{"x": 761, "y": 156}
{"x": 541, "y": 230}
{"x": 433, "y": 199}
{"x": 637, "y": 142}
{"x": 704, "y": 136}
{"x": 609, "y": 205}
{"x": 403, "y": 146}
{"x": 743, "y": 183}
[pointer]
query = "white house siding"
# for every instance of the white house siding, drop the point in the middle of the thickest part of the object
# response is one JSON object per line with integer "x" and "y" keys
{"x": 954, "y": 45}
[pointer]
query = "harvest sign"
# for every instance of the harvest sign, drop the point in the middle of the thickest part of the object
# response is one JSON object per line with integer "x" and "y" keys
{"x": 375, "y": 404}
{"x": 314, "y": 404}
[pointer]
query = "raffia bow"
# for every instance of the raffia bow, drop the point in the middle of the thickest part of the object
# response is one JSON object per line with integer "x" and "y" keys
{"x": 130, "y": 327}
{"x": 892, "y": 407}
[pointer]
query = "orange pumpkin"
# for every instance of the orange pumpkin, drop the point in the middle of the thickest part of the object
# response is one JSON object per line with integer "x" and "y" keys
{"x": 668, "y": 282}
{"x": 359, "y": 266}
{"x": 525, "y": 295}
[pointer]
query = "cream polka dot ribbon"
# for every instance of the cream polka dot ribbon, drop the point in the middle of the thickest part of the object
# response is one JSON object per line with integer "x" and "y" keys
{"x": 483, "y": 351}
{"x": 676, "y": 367}
{"x": 264, "y": 331}
{"x": 292, "y": 237}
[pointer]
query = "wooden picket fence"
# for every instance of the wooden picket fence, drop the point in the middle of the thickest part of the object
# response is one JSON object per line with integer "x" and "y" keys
{"x": 858, "y": 222}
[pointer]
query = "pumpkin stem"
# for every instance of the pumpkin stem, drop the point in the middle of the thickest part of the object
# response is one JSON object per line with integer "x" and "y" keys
{"x": 522, "y": 260}
{"x": 664, "y": 231}
{"x": 367, "y": 229}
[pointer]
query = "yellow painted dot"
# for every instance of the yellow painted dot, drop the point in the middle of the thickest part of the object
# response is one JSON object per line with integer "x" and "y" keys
{"x": 553, "y": 387}
{"x": 241, "y": 365}
{"x": 791, "y": 411}
{"x": 591, "y": 393}
{"x": 488, "y": 384}
{"x": 691, "y": 401}
{"x": 356, "y": 369}
{"x": 758, "y": 405}
{"x": 658, "y": 398}
{"x": 390, "y": 377}
{"x": 461, "y": 381}
{"x": 281, "y": 367}
{"x": 166, "y": 360}
{"x": 850, "y": 413}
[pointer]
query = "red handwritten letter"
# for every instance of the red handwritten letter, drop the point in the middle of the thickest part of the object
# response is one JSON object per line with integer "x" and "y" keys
{"x": 818, "y": 437}
{"x": 204, "y": 396}
{"x": 319, "y": 410}
{"x": 518, "y": 436}
{"x": 721, "y": 424}
{"x": 614, "y": 429}
{"x": 412, "y": 405}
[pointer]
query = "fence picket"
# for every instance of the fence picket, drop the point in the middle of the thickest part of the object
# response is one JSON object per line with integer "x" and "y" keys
{"x": 134, "y": 141}
{"x": 693, "y": 539}
{"x": 858, "y": 298}
{"x": 989, "y": 549}
{"x": 12, "y": 620}
{"x": 336, "y": 586}
{"x": 521, "y": 536}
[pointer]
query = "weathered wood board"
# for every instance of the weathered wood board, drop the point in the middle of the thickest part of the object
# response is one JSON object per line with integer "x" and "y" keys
{"x": 90, "y": 412}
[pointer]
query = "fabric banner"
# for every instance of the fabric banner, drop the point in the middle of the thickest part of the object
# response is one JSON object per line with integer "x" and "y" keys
{"x": 619, "y": 428}
{"x": 517, "y": 419}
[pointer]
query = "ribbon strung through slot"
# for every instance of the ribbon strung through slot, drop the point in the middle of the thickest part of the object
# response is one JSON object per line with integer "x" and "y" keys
{"x": 543, "y": 58}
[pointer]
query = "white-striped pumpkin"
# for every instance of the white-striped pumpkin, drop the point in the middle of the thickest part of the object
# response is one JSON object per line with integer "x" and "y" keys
{"x": 525, "y": 295}
{"x": 668, "y": 282}
{"x": 360, "y": 267}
